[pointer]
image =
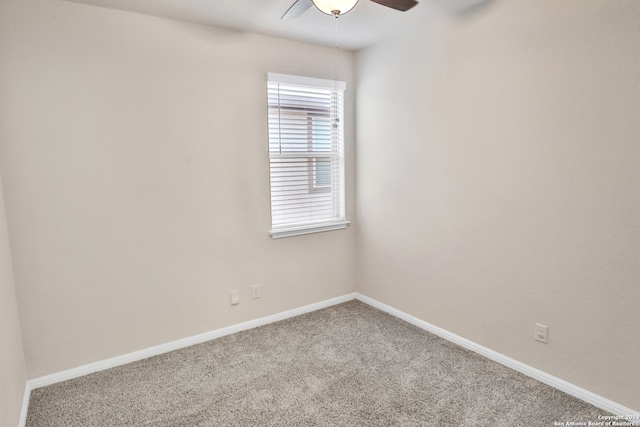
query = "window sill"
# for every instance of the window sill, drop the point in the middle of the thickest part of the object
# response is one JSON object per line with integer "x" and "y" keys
{"x": 308, "y": 229}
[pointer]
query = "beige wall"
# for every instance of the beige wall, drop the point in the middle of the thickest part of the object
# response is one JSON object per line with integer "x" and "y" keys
{"x": 134, "y": 151}
{"x": 498, "y": 169}
{"x": 13, "y": 372}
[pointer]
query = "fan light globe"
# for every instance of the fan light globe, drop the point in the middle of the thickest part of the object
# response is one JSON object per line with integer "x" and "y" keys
{"x": 329, "y": 6}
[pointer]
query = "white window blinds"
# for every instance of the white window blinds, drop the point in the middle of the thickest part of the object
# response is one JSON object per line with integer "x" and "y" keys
{"x": 306, "y": 154}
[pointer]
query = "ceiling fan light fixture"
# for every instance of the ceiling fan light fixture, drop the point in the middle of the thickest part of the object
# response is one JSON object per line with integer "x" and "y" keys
{"x": 330, "y": 7}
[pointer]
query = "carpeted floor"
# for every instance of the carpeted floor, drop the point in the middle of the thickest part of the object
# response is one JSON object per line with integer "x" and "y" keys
{"x": 347, "y": 365}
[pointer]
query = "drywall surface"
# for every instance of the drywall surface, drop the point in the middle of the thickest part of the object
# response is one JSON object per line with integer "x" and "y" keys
{"x": 497, "y": 173}
{"x": 13, "y": 372}
{"x": 137, "y": 180}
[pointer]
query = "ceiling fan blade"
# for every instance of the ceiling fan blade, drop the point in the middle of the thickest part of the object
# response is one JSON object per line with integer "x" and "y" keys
{"x": 401, "y": 5}
{"x": 297, "y": 9}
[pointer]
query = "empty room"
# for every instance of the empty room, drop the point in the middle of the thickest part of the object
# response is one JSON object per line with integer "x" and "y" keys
{"x": 318, "y": 213}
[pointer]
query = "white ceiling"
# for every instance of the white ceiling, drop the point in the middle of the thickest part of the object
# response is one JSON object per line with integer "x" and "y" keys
{"x": 365, "y": 25}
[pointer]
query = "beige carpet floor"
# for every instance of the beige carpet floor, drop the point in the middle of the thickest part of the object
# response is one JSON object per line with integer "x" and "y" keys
{"x": 347, "y": 365}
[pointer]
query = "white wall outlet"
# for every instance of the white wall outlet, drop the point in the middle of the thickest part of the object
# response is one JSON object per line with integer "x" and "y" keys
{"x": 255, "y": 291}
{"x": 541, "y": 333}
{"x": 235, "y": 297}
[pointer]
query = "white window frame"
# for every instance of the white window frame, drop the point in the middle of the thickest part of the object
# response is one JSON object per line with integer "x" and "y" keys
{"x": 285, "y": 155}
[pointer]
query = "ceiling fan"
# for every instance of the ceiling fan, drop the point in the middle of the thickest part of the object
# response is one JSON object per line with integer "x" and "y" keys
{"x": 340, "y": 7}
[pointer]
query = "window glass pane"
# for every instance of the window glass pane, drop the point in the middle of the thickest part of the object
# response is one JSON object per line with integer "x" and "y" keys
{"x": 321, "y": 134}
{"x": 322, "y": 172}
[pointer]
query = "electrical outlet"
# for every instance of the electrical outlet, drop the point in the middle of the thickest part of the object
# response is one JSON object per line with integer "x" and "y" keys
{"x": 541, "y": 333}
{"x": 235, "y": 297}
{"x": 255, "y": 291}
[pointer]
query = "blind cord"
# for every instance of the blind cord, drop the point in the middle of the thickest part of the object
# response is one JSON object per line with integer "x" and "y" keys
{"x": 334, "y": 96}
{"x": 279, "y": 122}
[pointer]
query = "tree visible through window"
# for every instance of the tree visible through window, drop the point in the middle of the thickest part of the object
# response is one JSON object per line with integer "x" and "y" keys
{"x": 306, "y": 153}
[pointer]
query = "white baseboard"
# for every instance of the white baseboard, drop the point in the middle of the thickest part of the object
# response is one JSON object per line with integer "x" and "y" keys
{"x": 573, "y": 390}
{"x": 90, "y": 368}
{"x": 25, "y": 405}
{"x": 182, "y": 343}
{"x": 543, "y": 377}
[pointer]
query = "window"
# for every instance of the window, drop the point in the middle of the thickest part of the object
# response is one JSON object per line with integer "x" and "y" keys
{"x": 306, "y": 155}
